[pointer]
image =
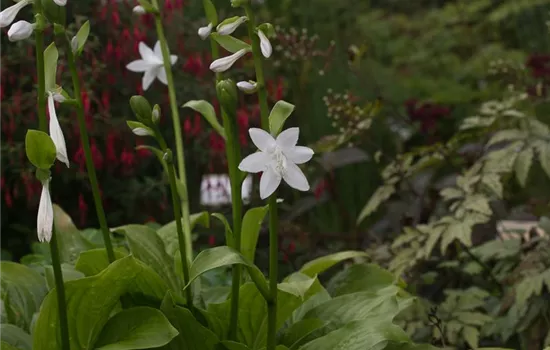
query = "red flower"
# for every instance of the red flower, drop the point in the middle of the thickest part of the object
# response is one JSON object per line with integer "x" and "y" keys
{"x": 83, "y": 209}
{"x": 195, "y": 65}
{"x": 211, "y": 240}
{"x": 97, "y": 157}
{"x": 127, "y": 159}
{"x": 110, "y": 149}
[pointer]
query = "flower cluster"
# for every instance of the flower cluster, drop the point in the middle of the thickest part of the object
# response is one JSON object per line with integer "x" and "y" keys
{"x": 427, "y": 114}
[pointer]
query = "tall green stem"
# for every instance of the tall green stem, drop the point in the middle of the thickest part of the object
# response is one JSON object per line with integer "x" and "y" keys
{"x": 273, "y": 217}
{"x": 43, "y": 126}
{"x": 88, "y": 153}
{"x": 233, "y": 154}
{"x": 180, "y": 155}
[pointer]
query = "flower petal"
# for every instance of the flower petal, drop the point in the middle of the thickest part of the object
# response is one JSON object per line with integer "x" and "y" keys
{"x": 44, "y": 219}
{"x": 158, "y": 50}
{"x": 299, "y": 154}
{"x": 255, "y": 162}
{"x": 295, "y": 177}
{"x": 262, "y": 139}
{"x": 269, "y": 183}
{"x": 147, "y": 54}
{"x": 265, "y": 45}
{"x": 139, "y": 66}
{"x": 148, "y": 78}
{"x": 161, "y": 75}
{"x": 56, "y": 133}
{"x": 173, "y": 59}
{"x": 288, "y": 138}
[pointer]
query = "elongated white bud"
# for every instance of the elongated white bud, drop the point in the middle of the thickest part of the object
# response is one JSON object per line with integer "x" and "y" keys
{"x": 44, "y": 219}
{"x": 60, "y": 2}
{"x": 20, "y": 30}
{"x": 248, "y": 87}
{"x": 204, "y": 32}
{"x": 230, "y": 25}
{"x": 139, "y": 10}
{"x": 7, "y": 16}
{"x": 223, "y": 64}
{"x": 141, "y": 132}
{"x": 265, "y": 45}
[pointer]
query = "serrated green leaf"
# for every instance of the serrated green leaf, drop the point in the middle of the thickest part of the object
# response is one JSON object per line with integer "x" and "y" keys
{"x": 50, "y": 66}
{"x": 523, "y": 164}
{"x": 543, "y": 150}
{"x": 230, "y": 43}
{"x": 451, "y": 193}
{"x": 379, "y": 196}
{"x": 279, "y": 114}
{"x": 478, "y": 203}
{"x": 82, "y": 37}
{"x": 252, "y": 223}
{"x": 208, "y": 112}
{"x": 493, "y": 183}
{"x": 456, "y": 230}
{"x": 507, "y": 135}
{"x": 40, "y": 149}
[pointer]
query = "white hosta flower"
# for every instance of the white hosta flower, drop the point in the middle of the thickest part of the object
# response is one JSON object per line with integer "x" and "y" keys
{"x": 230, "y": 26}
{"x": 7, "y": 16}
{"x": 248, "y": 87}
{"x": 60, "y": 2}
{"x": 151, "y": 64}
{"x": 204, "y": 32}
{"x": 55, "y": 129}
{"x": 224, "y": 63}
{"x": 44, "y": 220}
{"x": 265, "y": 45}
{"x": 142, "y": 132}
{"x": 139, "y": 10}
{"x": 20, "y": 30}
{"x": 277, "y": 160}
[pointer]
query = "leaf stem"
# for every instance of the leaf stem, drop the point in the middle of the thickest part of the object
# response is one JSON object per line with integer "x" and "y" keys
{"x": 180, "y": 152}
{"x": 273, "y": 215}
{"x": 85, "y": 141}
{"x": 43, "y": 126}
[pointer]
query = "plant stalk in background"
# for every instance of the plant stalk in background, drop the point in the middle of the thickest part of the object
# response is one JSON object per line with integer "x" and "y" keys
{"x": 43, "y": 126}
{"x": 180, "y": 152}
{"x": 273, "y": 217}
{"x": 87, "y": 151}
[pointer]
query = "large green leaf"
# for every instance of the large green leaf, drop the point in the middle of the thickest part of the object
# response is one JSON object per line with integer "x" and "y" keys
{"x": 7, "y": 346}
{"x": 299, "y": 330}
{"x": 360, "y": 278}
{"x": 93, "y": 261}
{"x": 91, "y": 300}
{"x": 192, "y": 335}
{"x": 136, "y": 328}
{"x": 252, "y": 222}
{"x": 169, "y": 234}
{"x": 15, "y": 337}
{"x": 68, "y": 271}
{"x": 147, "y": 246}
{"x": 225, "y": 256}
{"x": 71, "y": 243}
{"x": 321, "y": 264}
{"x": 23, "y": 290}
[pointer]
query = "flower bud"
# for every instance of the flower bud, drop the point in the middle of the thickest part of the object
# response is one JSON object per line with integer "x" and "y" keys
{"x": 141, "y": 108}
{"x": 7, "y": 16}
{"x": 248, "y": 87}
{"x": 20, "y": 30}
{"x": 204, "y": 32}
{"x": 265, "y": 45}
{"x": 60, "y": 2}
{"x": 156, "y": 114}
{"x": 139, "y": 10}
{"x": 229, "y": 25}
{"x": 223, "y": 64}
{"x": 227, "y": 92}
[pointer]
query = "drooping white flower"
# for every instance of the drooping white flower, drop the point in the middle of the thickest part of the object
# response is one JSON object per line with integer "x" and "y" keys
{"x": 7, "y": 16}
{"x": 20, "y": 30}
{"x": 151, "y": 64}
{"x": 44, "y": 219}
{"x": 139, "y": 10}
{"x": 60, "y": 2}
{"x": 248, "y": 87}
{"x": 224, "y": 63}
{"x": 55, "y": 129}
{"x": 204, "y": 32}
{"x": 229, "y": 26}
{"x": 277, "y": 160}
{"x": 265, "y": 45}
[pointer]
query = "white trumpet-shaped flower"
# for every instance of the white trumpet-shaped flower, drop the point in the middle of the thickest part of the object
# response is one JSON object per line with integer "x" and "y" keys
{"x": 224, "y": 63}
{"x": 265, "y": 45}
{"x": 277, "y": 160}
{"x": 55, "y": 129}
{"x": 7, "y": 16}
{"x": 139, "y": 10}
{"x": 20, "y": 30}
{"x": 204, "y": 32}
{"x": 230, "y": 26}
{"x": 60, "y": 2}
{"x": 151, "y": 64}
{"x": 248, "y": 87}
{"x": 44, "y": 220}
